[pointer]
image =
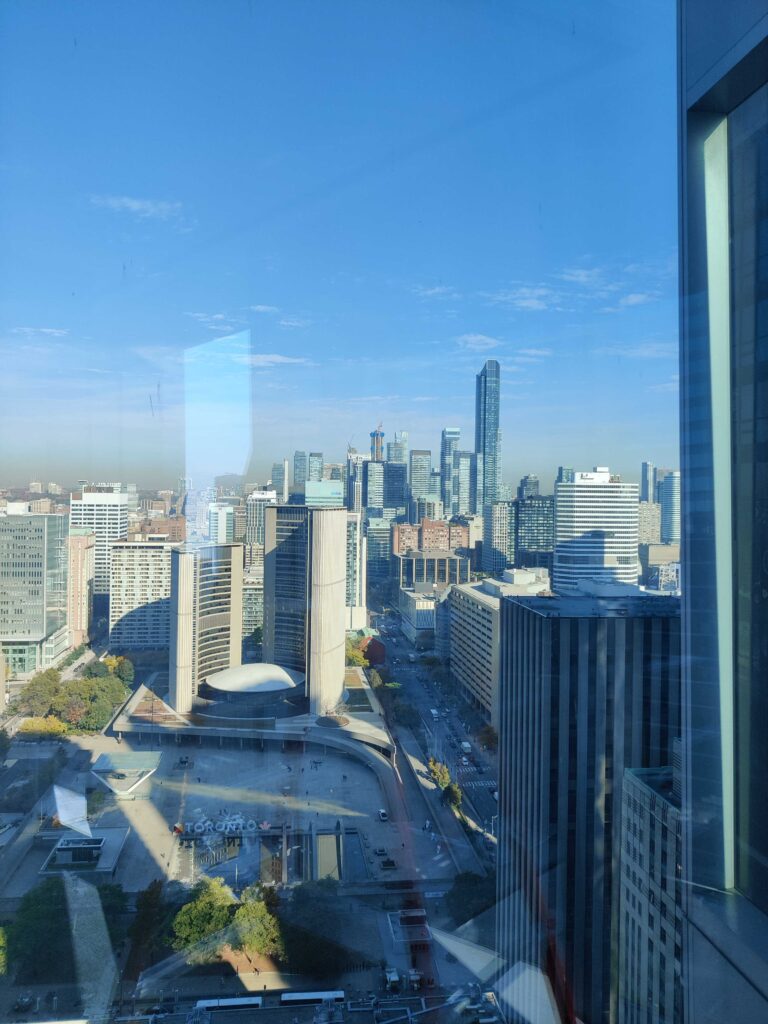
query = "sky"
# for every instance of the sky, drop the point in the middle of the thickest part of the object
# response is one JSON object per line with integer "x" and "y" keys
{"x": 379, "y": 196}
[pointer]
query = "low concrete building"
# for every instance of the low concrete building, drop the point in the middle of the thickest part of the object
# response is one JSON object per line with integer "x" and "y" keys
{"x": 425, "y": 568}
{"x": 417, "y": 616}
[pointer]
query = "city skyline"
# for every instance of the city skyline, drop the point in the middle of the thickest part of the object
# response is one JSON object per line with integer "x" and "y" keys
{"x": 376, "y": 275}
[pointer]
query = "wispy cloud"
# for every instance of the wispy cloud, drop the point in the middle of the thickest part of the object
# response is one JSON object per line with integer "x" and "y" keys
{"x": 534, "y": 353}
{"x": 666, "y": 386}
{"x": 219, "y": 322}
{"x": 643, "y": 350}
{"x": 478, "y": 342}
{"x": 51, "y": 332}
{"x": 527, "y": 297}
{"x": 437, "y": 291}
{"x": 266, "y": 360}
{"x": 144, "y": 209}
{"x": 581, "y": 275}
{"x": 293, "y": 321}
{"x": 264, "y": 309}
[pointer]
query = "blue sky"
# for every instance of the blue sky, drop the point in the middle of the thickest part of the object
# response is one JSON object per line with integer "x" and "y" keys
{"x": 384, "y": 194}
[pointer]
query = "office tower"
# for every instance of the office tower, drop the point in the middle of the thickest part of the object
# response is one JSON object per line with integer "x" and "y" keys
{"x": 239, "y": 514}
{"x": 421, "y": 473}
{"x": 324, "y": 494}
{"x": 35, "y": 487}
{"x": 648, "y": 482}
{"x": 315, "y": 466}
{"x": 55, "y": 489}
{"x": 449, "y": 442}
{"x": 535, "y": 538}
{"x": 355, "y": 464}
{"x": 333, "y": 471}
{"x": 357, "y": 611}
{"x": 475, "y": 633}
{"x": 280, "y": 480}
{"x": 305, "y": 598}
{"x": 140, "y": 596}
{"x": 670, "y": 508}
{"x": 650, "y": 918}
{"x": 397, "y": 450}
{"x": 659, "y": 475}
{"x": 396, "y": 486}
{"x": 300, "y": 469}
{"x": 104, "y": 513}
{"x": 377, "y": 444}
{"x": 565, "y": 475}
{"x": 648, "y": 523}
{"x": 589, "y": 687}
{"x": 33, "y": 591}
{"x": 255, "y": 504}
{"x": 81, "y": 547}
{"x": 206, "y": 617}
{"x": 378, "y": 549}
{"x": 595, "y": 530}
{"x": 221, "y": 524}
{"x": 487, "y": 436}
{"x": 373, "y": 485}
{"x": 467, "y": 488}
{"x": 528, "y": 487}
{"x": 427, "y": 507}
{"x": 499, "y": 528}
{"x": 723, "y": 225}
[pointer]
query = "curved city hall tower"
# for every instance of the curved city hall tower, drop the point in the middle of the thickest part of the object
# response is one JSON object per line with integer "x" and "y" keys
{"x": 305, "y": 578}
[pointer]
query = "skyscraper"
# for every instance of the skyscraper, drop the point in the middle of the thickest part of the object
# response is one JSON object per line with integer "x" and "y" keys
{"x": 589, "y": 686}
{"x": 449, "y": 442}
{"x": 255, "y": 504}
{"x": 487, "y": 436}
{"x": 104, "y": 513}
{"x": 315, "y": 466}
{"x": 377, "y": 444}
{"x": 357, "y": 612}
{"x": 421, "y": 472}
{"x": 670, "y": 508}
{"x": 595, "y": 530}
{"x": 206, "y": 617}
{"x": 305, "y": 597}
{"x": 280, "y": 480}
{"x": 300, "y": 469}
{"x": 354, "y": 483}
{"x": 647, "y": 482}
{"x": 535, "y": 524}
{"x": 467, "y": 487}
{"x": 221, "y": 523}
{"x": 140, "y": 596}
{"x": 499, "y": 527}
{"x": 528, "y": 487}
{"x": 33, "y": 591}
{"x": 397, "y": 450}
{"x": 724, "y": 366}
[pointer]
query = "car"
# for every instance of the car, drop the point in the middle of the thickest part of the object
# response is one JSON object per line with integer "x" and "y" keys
{"x": 383, "y": 816}
{"x": 465, "y": 761}
{"x": 23, "y": 1003}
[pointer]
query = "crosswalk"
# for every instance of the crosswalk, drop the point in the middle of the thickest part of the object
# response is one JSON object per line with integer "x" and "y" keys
{"x": 480, "y": 784}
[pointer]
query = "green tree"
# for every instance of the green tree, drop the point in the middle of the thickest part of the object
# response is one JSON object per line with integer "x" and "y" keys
{"x": 48, "y": 728}
{"x": 440, "y": 773}
{"x": 113, "y": 903}
{"x": 5, "y": 744}
{"x": 95, "y": 669}
{"x": 150, "y": 925}
{"x": 3, "y": 950}
{"x": 205, "y": 916}
{"x": 452, "y": 795}
{"x": 489, "y": 737}
{"x": 354, "y": 656}
{"x": 470, "y": 895}
{"x": 40, "y": 692}
{"x": 125, "y": 670}
{"x": 257, "y": 932}
{"x": 42, "y": 923}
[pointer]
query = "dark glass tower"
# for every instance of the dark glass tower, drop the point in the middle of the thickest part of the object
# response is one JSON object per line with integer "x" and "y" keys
{"x": 487, "y": 438}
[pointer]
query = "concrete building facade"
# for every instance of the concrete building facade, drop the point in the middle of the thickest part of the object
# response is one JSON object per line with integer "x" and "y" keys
{"x": 140, "y": 596}
{"x": 82, "y": 563}
{"x": 105, "y": 514}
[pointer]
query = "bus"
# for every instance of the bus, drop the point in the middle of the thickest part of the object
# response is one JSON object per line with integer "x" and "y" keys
{"x": 235, "y": 1003}
{"x": 311, "y": 998}
{"x": 435, "y": 714}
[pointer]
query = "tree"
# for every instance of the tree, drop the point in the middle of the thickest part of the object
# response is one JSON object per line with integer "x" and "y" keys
{"x": 354, "y": 656}
{"x": 48, "y": 728}
{"x": 470, "y": 895}
{"x": 124, "y": 670}
{"x": 150, "y": 925}
{"x": 440, "y": 773}
{"x": 489, "y": 737}
{"x": 257, "y": 932}
{"x": 205, "y": 916}
{"x": 75, "y": 710}
{"x": 405, "y": 714}
{"x": 452, "y": 795}
{"x": 113, "y": 903}
{"x": 40, "y": 692}
{"x": 313, "y": 927}
{"x": 5, "y": 744}
{"x": 111, "y": 661}
{"x": 3, "y": 950}
{"x": 42, "y": 923}
{"x": 95, "y": 670}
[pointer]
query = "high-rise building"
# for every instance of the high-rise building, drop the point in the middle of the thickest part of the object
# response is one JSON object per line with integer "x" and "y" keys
{"x": 535, "y": 539}
{"x": 449, "y": 443}
{"x": 528, "y": 487}
{"x": 467, "y": 488}
{"x": 595, "y": 530}
{"x": 378, "y": 532}
{"x": 355, "y": 463}
{"x": 357, "y": 611}
{"x": 724, "y": 365}
{"x": 373, "y": 486}
{"x": 206, "y": 617}
{"x": 140, "y": 596}
{"x": 33, "y": 591}
{"x": 305, "y": 598}
{"x": 280, "y": 480}
{"x": 487, "y": 435}
{"x": 396, "y": 486}
{"x": 499, "y": 529}
{"x": 315, "y": 466}
{"x": 300, "y": 469}
{"x": 35, "y": 487}
{"x": 648, "y": 523}
{"x": 104, "y": 513}
{"x": 659, "y": 475}
{"x": 589, "y": 686}
{"x": 221, "y": 523}
{"x": 255, "y": 504}
{"x": 377, "y": 444}
{"x": 82, "y": 562}
{"x": 670, "y": 508}
{"x": 397, "y": 450}
{"x": 650, "y": 916}
{"x": 648, "y": 482}
{"x": 565, "y": 475}
{"x": 421, "y": 473}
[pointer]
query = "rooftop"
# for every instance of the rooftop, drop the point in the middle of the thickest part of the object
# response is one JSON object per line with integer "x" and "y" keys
{"x": 576, "y": 606}
{"x": 255, "y": 678}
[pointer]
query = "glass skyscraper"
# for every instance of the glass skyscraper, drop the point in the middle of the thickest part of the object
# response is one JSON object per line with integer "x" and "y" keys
{"x": 487, "y": 437}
